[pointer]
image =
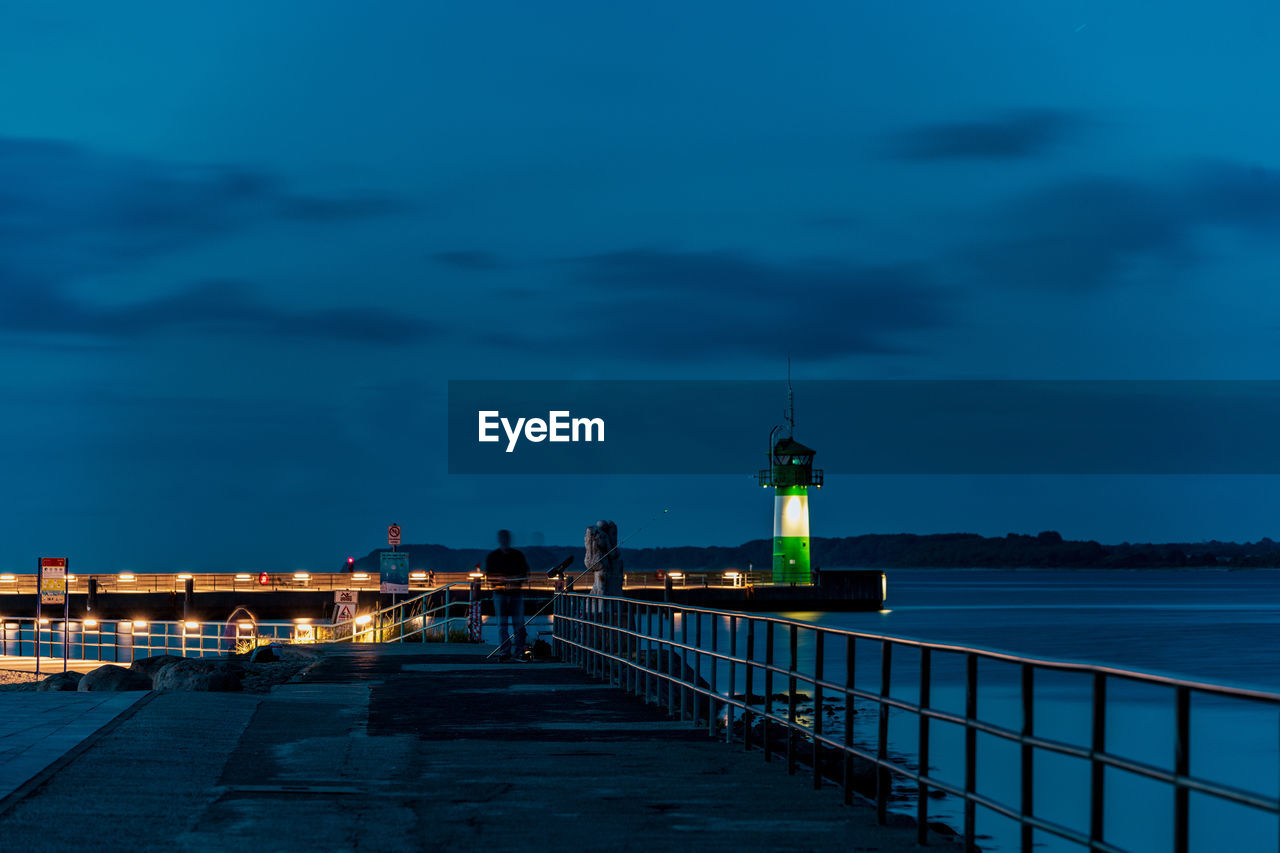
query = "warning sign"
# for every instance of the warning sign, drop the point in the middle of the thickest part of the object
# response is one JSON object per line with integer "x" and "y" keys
{"x": 344, "y": 613}
{"x": 393, "y": 534}
{"x": 53, "y": 580}
{"x": 345, "y": 596}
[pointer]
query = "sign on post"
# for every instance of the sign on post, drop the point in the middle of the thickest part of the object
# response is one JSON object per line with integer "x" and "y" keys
{"x": 344, "y": 613}
{"x": 53, "y": 580}
{"x": 395, "y": 571}
{"x": 393, "y": 535}
{"x": 345, "y": 596}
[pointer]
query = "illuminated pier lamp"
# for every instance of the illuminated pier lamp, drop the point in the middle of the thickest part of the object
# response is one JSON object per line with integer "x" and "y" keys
{"x": 790, "y": 473}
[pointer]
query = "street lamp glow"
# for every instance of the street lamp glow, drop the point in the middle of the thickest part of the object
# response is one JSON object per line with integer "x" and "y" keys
{"x": 300, "y": 576}
{"x": 6, "y": 578}
{"x": 364, "y": 620}
{"x": 126, "y": 577}
{"x": 360, "y": 576}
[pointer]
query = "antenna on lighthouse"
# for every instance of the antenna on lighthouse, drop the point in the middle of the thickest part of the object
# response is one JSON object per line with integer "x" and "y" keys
{"x": 791, "y": 403}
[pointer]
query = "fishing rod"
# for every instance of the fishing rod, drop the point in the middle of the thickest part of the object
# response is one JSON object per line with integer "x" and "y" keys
{"x": 568, "y": 562}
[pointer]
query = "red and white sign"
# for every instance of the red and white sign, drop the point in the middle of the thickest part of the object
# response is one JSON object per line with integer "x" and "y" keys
{"x": 345, "y": 596}
{"x": 53, "y": 580}
{"x": 344, "y": 613}
{"x": 393, "y": 534}
{"x": 264, "y": 578}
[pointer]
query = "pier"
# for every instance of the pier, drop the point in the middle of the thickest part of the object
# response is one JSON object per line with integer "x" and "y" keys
{"x": 401, "y": 747}
{"x": 667, "y": 724}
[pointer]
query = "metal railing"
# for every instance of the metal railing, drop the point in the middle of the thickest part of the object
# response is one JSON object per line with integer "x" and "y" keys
{"x": 126, "y": 640}
{"x": 426, "y": 617}
{"x": 634, "y": 645}
{"x": 419, "y": 581}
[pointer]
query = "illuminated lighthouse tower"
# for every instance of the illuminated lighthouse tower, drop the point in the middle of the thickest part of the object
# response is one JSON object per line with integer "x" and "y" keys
{"x": 791, "y": 473}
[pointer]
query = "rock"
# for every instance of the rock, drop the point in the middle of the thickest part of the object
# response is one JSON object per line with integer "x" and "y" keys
{"x": 61, "y": 681}
{"x": 264, "y": 654}
{"x": 148, "y": 667}
{"x": 196, "y": 674}
{"x": 113, "y": 678}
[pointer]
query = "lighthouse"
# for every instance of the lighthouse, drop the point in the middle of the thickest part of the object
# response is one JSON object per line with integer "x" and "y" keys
{"x": 790, "y": 473}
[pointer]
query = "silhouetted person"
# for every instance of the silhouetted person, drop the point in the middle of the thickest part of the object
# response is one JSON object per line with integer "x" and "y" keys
{"x": 507, "y": 571}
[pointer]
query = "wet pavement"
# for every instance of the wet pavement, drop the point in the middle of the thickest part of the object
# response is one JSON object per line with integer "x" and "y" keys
{"x": 411, "y": 747}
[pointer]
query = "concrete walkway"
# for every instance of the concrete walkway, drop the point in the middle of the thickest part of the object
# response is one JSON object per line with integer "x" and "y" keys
{"x": 37, "y": 729}
{"x": 415, "y": 747}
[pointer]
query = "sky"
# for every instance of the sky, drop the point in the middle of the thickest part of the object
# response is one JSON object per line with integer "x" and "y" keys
{"x": 244, "y": 246}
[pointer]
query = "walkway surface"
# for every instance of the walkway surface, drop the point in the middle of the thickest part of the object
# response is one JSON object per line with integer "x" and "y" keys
{"x": 37, "y": 729}
{"x": 410, "y": 747}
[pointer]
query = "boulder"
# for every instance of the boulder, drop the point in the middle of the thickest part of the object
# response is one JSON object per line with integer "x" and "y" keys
{"x": 196, "y": 674}
{"x": 148, "y": 667}
{"x": 264, "y": 654}
{"x": 113, "y": 678}
{"x": 61, "y": 681}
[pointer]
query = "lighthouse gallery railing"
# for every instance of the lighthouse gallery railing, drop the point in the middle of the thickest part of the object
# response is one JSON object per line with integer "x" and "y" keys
{"x": 634, "y": 645}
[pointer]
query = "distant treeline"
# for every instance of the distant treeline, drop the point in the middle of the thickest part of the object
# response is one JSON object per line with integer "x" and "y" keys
{"x": 889, "y": 551}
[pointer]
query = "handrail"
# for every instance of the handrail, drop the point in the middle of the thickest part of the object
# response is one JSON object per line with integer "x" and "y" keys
{"x": 125, "y": 640}
{"x": 614, "y": 638}
{"x": 420, "y": 580}
{"x": 391, "y": 621}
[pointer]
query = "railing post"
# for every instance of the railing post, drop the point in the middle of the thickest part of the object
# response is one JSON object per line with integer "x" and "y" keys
{"x": 746, "y": 712}
{"x": 970, "y": 748}
{"x": 651, "y": 661}
{"x": 818, "y": 643}
{"x": 849, "y": 659}
{"x": 667, "y": 666}
{"x": 713, "y": 701}
{"x": 1181, "y": 767}
{"x": 1028, "y": 756}
{"x": 733, "y": 679}
{"x": 1097, "y": 769}
{"x": 922, "y": 788}
{"x": 555, "y": 628}
{"x": 884, "y": 781}
{"x": 768, "y": 691}
{"x": 791, "y": 701}
{"x": 697, "y": 666}
{"x": 679, "y": 667}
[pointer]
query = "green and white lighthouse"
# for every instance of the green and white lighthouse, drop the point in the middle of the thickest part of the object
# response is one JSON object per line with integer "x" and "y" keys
{"x": 790, "y": 473}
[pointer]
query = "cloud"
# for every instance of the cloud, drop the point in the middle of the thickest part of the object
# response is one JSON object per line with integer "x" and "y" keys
{"x": 668, "y": 304}
{"x": 1090, "y": 233}
{"x": 69, "y": 211}
{"x": 470, "y": 259}
{"x": 221, "y": 307}
{"x": 1012, "y": 135}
